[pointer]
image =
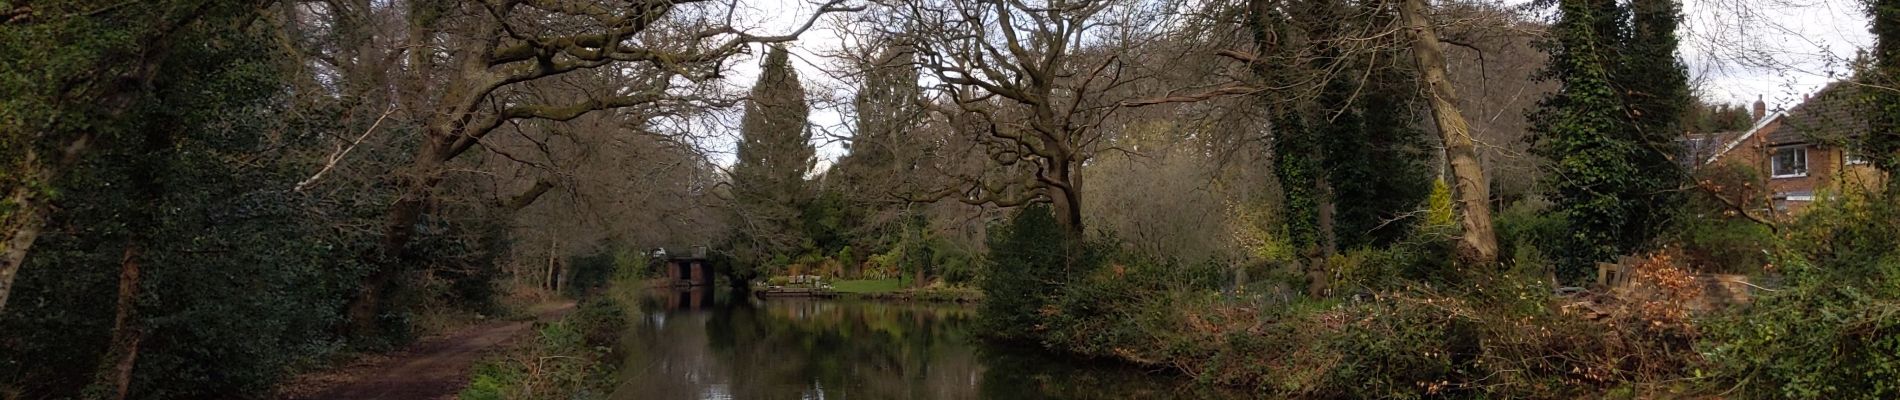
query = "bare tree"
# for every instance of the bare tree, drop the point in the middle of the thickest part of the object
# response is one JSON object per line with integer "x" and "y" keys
{"x": 454, "y": 70}
{"x": 1039, "y": 79}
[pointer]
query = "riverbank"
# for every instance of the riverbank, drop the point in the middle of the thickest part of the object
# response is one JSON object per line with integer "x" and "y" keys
{"x": 561, "y": 359}
{"x": 893, "y": 290}
{"x": 735, "y": 346}
{"x": 433, "y": 368}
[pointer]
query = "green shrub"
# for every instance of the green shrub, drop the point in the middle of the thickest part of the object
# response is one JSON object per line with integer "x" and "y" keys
{"x": 242, "y": 281}
{"x": 1528, "y": 231}
{"x": 568, "y": 359}
{"x": 1726, "y": 245}
{"x": 1031, "y": 260}
{"x": 1833, "y": 330}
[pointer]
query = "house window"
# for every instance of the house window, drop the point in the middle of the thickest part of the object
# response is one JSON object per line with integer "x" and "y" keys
{"x": 1790, "y": 162}
{"x": 1795, "y": 196}
{"x": 1854, "y": 157}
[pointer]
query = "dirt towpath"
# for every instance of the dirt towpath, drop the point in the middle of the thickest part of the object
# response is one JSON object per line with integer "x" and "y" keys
{"x": 435, "y": 368}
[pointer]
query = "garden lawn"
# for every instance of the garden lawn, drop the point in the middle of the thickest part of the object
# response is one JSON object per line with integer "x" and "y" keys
{"x": 866, "y": 286}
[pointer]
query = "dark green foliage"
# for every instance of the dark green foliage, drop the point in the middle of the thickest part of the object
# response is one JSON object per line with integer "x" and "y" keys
{"x": 1377, "y": 162}
{"x": 1882, "y": 144}
{"x": 67, "y": 68}
{"x": 1611, "y": 128}
{"x": 884, "y": 147}
{"x": 1527, "y": 231}
{"x": 571, "y": 356}
{"x": 589, "y": 272}
{"x": 1715, "y": 236}
{"x": 241, "y": 281}
{"x": 825, "y": 222}
{"x": 1833, "y": 330}
{"x": 768, "y": 179}
{"x": 464, "y": 247}
{"x": 1353, "y": 145}
{"x": 1654, "y": 86}
{"x": 1298, "y": 168}
{"x": 1706, "y": 118}
{"x": 614, "y": 263}
{"x": 1030, "y": 260}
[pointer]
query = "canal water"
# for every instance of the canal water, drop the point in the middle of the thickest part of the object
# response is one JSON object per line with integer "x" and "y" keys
{"x": 713, "y": 345}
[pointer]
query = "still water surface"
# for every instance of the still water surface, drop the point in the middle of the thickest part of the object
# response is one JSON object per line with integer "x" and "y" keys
{"x": 705, "y": 345}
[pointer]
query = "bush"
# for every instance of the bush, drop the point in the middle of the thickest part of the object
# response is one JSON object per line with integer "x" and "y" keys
{"x": 567, "y": 359}
{"x": 1714, "y": 235}
{"x": 242, "y": 279}
{"x": 1031, "y": 261}
{"x": 1726, "y": 245}
{"x": 1527, "y": 233}
{"x": 1834, "y": 330}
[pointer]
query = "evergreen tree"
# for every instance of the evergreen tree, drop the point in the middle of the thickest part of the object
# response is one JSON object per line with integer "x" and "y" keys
{"x": 1581, "y": 130}
{"x": 1348, "y": 159}
{"x": 1655, "y": 89}
{"x": 1882, "y": 142}
{"x": 774, "y": 155}
{"x": 887, "y": 106}
{"x": 177, "y": 264}
{"x": 883, "y": 149}
{"x": 1613, "y": 150}
{"x": 1378, "y": 165}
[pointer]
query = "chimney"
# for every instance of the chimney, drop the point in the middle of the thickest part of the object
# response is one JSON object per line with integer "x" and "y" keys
{"x": 1761, "y": 109}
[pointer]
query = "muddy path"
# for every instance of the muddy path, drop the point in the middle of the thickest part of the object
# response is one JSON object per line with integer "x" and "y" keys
{"x": 435, "y": 368}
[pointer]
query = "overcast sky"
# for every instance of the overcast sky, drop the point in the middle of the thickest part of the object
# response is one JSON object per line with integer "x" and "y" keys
{"x": 1736, "y": 51}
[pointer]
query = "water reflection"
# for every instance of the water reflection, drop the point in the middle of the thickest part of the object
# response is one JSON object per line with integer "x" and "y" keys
{"x": 711, "y": 345}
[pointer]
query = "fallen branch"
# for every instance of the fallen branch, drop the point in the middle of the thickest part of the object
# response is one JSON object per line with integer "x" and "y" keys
{"x": 338, "y": 157}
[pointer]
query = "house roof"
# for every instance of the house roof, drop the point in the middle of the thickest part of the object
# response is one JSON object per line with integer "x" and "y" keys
{"x": 1836, "y": 113}
{"x": 1829, "y": 116}
{"x": 1699, "y": 146}
{"x": 1751, "y": 132}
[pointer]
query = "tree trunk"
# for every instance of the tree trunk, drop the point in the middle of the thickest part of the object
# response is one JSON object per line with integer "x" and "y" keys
{"x": 1478, "y": 244}
{"x": 404, "y": 214}
{"x": 1066, "y": 202}
{"x": 548, "y": 281}
{"x": 1328, "y": 209}
{"x": 126, "y": 332}
{"x": 18, "y": 230}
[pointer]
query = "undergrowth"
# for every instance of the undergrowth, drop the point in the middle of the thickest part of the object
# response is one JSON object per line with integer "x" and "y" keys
{"x": 1401, "y": 328}
{"x": 566, "y": 359}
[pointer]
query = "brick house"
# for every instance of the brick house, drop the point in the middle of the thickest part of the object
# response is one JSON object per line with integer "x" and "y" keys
{"x": 1802, "y": 152}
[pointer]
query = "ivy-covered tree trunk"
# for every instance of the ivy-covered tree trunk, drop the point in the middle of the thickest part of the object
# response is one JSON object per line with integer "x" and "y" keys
{"x": 1882, "y": 143}
{"x": 1654, "y": 86}
{"x": 1477, "y": 244}
{"x": 102, "y": 55}
{"x": 404, "y": 214}
{"x": 1610, "y": 137}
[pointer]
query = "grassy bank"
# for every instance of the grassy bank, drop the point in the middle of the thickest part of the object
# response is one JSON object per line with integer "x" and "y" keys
{"x": 867, "y": 286}
{"x": 566, "y": 359}
{"x": 892, "y": 289}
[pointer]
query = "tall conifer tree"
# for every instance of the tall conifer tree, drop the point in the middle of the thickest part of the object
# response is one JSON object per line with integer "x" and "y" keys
{"x": 1882, "y": 142}
{"x": 1581, "y": 130}
{"x": 1655, "y": 89}
{"x": 774, "y": 155}
{"x": 884, "y": 147}
{"x": 1611, "y": 131}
